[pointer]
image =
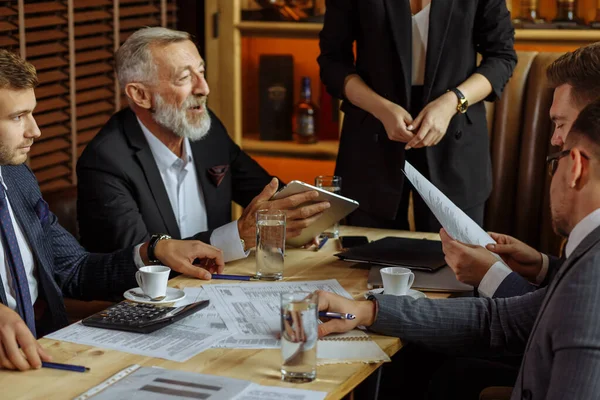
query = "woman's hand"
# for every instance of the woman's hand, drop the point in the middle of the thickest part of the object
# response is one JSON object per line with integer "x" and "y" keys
{"x": 431, "y": 124}
{"x": 395, "y": 120}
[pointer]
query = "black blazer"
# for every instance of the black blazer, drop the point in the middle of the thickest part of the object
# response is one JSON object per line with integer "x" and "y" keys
{"x": 121, "y": 196}
{"x": 368, "y": 162}
{"x": 63, "y": 267}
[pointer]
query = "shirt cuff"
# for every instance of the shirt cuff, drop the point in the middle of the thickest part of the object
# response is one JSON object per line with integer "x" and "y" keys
{"x": 227, "y": 238}
{"x": 137, "y": 257}
{"x": 542, "y": 275}
{"x": 493, "y": 278}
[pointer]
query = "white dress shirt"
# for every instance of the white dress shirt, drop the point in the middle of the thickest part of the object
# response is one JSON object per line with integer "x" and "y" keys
{"x": 420, "y": 36}
{"x": 26, "y": 256}
{"x": 187, "y": 198}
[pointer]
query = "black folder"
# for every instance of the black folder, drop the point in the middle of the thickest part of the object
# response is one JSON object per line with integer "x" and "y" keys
{"x": 419, "y": 254}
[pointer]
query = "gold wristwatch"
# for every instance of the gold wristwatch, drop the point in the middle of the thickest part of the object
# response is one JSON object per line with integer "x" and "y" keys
{"x": 463, "y": 103}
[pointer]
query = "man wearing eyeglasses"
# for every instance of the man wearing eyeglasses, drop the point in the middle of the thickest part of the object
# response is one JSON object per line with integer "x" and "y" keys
{"x": 557, "y": 328}
{"x": 575, "y": 77}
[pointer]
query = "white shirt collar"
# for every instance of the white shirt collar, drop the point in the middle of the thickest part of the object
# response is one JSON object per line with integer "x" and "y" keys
{"x": 581, "y": 230}
{"x": 2, "y": 180}
{"x": 163, "y": 156}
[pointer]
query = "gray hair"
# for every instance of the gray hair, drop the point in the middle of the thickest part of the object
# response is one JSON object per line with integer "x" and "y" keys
{"x": 133, "y": 60}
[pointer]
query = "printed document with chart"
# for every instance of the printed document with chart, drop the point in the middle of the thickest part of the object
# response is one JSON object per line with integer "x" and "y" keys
{"x": 458, "y": 224}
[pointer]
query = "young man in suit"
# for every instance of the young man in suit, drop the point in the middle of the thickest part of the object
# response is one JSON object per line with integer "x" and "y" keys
{"x": 39, "y": 260}
{"x": 166, "y": 164}
{"x": 575, "y": 77}
{"x": 557, "y": 327}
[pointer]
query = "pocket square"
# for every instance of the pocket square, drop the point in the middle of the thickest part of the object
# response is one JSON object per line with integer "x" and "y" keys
{"x": 42, "y": 210}
{"x": 217, "y": 173}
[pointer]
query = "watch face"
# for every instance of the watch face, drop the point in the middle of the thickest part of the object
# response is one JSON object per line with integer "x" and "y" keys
{"x": 462, "y": 107}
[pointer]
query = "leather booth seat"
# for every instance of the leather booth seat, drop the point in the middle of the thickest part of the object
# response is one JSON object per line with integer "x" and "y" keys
{"x": 520, "y": 132}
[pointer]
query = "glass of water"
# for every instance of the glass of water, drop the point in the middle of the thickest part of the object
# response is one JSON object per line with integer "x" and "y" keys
{"x": 332, "y": 184}
{"x": 270, "y": 244}
{"x": 299, "y": 336}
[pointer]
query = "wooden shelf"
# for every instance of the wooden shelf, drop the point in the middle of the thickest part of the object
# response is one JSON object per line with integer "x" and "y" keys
{"x": 311, "y": 30}
{"x": 323, "y": 150}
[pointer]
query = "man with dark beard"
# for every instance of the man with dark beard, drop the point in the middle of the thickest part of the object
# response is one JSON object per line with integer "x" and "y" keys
{"x": 166, "y": 164}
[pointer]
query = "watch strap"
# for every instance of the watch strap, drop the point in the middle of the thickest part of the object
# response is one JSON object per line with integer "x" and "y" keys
{"x": 154, "y": 239}
{"x": 463, "y": 103}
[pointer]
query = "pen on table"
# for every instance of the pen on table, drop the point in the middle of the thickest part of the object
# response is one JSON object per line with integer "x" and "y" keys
{"x": 234, "y": 277}
{"x": 336, "y": 315}
{"x": 322, "y": 242}
{"x": 66, "y": 367}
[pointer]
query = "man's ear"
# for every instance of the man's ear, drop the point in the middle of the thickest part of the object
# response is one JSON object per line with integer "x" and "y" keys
{"x": 576, "y": 169}
{"x": 139, "y": 94}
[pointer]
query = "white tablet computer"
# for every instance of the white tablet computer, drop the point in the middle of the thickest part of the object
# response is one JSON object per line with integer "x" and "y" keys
{"x": 340, "y": 207}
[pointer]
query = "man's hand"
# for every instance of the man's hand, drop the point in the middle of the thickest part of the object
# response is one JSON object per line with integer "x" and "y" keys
{"x": 469, "y": 263}
{"x": 297, "y": 217}
{"x": 432, "y": 122}
{"x": 395, "y": 120}
{"x": 364, "y": 311}
{"x": 179, "y": 255}
{"x": 14, "y": 333}
{"x": 521, "y": 258}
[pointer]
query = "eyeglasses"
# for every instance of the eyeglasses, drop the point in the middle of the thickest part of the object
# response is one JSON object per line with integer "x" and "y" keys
{"x": 553, "y": 159}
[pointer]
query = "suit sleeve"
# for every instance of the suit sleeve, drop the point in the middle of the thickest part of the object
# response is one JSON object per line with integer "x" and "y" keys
{"x": 470, "y": 326}
{"x": 494, "y": 38}
{"x": 514, "y": 285}
{"x": 336, "y": 39}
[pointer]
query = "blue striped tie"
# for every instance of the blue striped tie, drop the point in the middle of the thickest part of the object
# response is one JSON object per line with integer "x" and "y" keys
{"x": 17, "y": 270}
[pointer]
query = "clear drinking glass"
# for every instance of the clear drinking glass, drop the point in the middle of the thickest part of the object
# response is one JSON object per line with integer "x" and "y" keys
{"x": 331, "y": 184}
{"x": 270, "y": 244}
{"x": 299, "y": 336}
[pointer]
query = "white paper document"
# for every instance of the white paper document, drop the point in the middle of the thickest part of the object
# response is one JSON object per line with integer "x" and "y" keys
{"x": 260, "y": 392}
{"x": 177, "y": 342}
{"x": 458, "y": 224}
{"x": 252, "y": 311}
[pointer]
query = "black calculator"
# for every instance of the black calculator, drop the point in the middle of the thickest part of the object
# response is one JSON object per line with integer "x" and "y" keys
{"x": 140, "y": 318}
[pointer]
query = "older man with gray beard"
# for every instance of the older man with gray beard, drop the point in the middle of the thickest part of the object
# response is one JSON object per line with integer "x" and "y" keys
{"x": 166, "y": 166}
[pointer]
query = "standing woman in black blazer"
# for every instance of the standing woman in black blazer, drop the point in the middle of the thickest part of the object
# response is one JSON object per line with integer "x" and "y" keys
{"x": 414, "y": 91}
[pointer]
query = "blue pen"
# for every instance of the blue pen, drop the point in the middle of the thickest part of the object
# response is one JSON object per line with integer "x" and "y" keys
{"x": 233, "y": 277}
{"x": 66, "y": 367}
{"x": 335, "y": 315}
{"x": 322, "y": 242}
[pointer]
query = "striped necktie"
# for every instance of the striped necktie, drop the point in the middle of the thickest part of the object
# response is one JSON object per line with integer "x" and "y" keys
{"x": 13, "y": 258}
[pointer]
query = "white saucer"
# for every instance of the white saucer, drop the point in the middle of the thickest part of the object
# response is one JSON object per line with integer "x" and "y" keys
{"x": 173, "y": 295}
{"x": 415, "y": 294}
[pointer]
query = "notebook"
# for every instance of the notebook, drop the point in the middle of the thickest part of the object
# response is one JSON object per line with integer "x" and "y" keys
{"x": 419, "y": 254}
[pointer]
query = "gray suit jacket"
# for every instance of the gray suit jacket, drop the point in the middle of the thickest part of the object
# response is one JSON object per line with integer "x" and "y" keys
{"x": 557, "y": 328}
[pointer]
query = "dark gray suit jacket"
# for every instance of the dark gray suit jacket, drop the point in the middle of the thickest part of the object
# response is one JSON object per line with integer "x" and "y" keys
{"x": 515, "y": 285}
{"x": 557, "y": 328}
{"x": 63, "y": 267}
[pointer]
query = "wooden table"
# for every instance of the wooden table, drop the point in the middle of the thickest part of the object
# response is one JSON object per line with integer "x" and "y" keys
{"x": 260, "y": 366}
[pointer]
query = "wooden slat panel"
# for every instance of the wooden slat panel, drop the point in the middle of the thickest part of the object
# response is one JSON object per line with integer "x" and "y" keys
{"x": 139, "y": 10}
{"x": 52, "y": 76}
{"x": 92, "y": 82}
{"x": 91, "y": 3}
{"x": 91, "y": 29}
{"x": 45, "y": 35}
{"x": 90, "y": 69}
{"x": 48, "y": 62}
{"x": 91, "y": 95}
{"x": 54, "y": 131}
{"x": 51, "y": 118}
{"x": 94, "y": 108}
{"x": 49, "y": 159}
{"x": 52, "y": 103}
{"x": 56, "y": 89}
{"x": 136, "y": 23}
{"x": 89, "y": 42}
{"x": 80, "y": 149}
{"x": 50, "y": 6}
{"x": 96, "y": 55}
{"x": 7, "y": 26}
{"x": 54, "y": 185}
{"x": 47, "y": 21}
{"x": 88, "y": 123}
{"x": 50, "y": 48}
{"x": 48, "y": 146}
{"x": 91, "y": 16}
{"x": 87, "y": 136}
{"x": 59, "y": 171}
{"x": 7, "y": 11}
{"x": 7, "y": 41}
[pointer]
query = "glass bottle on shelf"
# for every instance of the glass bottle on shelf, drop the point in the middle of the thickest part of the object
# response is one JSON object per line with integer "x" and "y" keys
{"x": 566, "y": 14}
{"x": 305, "y": 115}
{"x": 529, "y": 13}
{"x": 596, "y": 22}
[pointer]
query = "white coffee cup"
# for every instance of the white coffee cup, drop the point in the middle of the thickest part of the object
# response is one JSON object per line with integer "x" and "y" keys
{"x": 153, "y": 280}
{"x": 396, "y": 280}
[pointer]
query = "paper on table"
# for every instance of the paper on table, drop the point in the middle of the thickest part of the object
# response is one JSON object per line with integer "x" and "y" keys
{"x": 458, "y": 224}
{"x": 260, "y": 392}
{"x": 253, "y": 309}
{"x": 177, "y": 342}
{"x": 349, "y": 347}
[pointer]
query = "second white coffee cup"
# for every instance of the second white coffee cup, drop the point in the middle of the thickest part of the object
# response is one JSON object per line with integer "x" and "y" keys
{"x": 153, "y": 280}
{"x": 396, "y": 280}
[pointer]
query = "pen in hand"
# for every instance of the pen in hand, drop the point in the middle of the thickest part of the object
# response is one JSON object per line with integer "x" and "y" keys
{"x": 335, "y": 315}
{"x": 322, "y": 243}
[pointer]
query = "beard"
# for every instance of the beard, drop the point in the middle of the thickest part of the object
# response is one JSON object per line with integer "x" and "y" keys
{"x": 13, "y": 156}
{"x": 176, "y": 119}
{"x": 560, "y": 223}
